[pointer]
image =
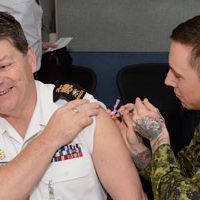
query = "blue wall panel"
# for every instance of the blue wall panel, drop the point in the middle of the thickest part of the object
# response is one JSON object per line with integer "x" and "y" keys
{"x": 107, "y": 64}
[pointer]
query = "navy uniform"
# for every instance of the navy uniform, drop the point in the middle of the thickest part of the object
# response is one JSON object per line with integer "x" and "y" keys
{"x": 176, "y": 178}
{"x": 71, "y": 174}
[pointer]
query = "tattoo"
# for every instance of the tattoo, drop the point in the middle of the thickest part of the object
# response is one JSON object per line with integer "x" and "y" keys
{"x": 142, "y": 159}
{"x": 149, "y": 127}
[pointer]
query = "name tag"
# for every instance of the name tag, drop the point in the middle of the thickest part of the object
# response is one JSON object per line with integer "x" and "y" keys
{"x": 3, "y": 164}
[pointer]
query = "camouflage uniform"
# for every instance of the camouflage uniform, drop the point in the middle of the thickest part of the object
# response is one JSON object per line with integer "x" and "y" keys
{"x": 176, "y": 178}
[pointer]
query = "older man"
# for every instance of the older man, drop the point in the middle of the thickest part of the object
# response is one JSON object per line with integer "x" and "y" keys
{"x": 55, "y": 150}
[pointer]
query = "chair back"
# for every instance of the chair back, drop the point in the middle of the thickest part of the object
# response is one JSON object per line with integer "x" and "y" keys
{"x": 82, "y": 75}
{"x": 57, "y": 74}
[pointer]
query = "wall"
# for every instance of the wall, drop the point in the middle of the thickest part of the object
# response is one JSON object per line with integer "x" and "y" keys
{"x": 48, "y": 19}
{"x": 122, "y": 25}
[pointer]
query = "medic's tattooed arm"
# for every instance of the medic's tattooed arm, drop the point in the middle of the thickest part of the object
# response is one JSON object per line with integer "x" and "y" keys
{"x": 141, "y": 155}
{"x": 150, "y": 124}
{"x": 150, "y": 127}
{"x": 142, "y": 159}
{"x": 154, "y": 129}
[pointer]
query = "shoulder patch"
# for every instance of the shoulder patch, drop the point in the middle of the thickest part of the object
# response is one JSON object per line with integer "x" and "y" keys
{"x": 68, "y": 91}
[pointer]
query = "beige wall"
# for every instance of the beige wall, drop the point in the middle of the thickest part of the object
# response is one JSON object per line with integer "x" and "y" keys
{"x": 122, "y": 25}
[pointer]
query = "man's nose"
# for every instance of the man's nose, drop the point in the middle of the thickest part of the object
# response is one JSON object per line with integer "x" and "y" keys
{"x": 170, "y": 80}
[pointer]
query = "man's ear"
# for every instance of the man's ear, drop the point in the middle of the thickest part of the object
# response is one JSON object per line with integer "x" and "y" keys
{"x": 31, "y": 58}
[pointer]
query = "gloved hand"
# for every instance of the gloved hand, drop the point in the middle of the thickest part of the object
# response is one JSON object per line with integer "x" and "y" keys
{"x": 149, "y": 123}
{"x": 140, "y": 153}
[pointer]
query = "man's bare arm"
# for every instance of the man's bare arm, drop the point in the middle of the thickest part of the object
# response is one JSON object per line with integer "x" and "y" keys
{"x": 113, "y": 162}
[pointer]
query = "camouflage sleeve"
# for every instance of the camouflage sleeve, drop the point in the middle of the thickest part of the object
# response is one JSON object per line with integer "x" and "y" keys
{"x": 189, "y": 156}
{"x": 185, "y": 158}
{"x": 168, "y": 181}
{"x": 176, "y": 178}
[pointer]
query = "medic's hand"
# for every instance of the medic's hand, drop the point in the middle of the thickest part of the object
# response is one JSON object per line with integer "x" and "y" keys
{"x": 69, "y": 120}
{"x": 140, "y": 153}
{"x": 149, "y": 123}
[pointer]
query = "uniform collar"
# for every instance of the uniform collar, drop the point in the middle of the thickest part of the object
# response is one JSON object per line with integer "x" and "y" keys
{"x": 43, "y": 111}
{"x": 45, "y": 106}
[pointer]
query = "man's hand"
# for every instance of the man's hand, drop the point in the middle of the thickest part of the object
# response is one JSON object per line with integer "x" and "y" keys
{"x": 47, "y": 45}
{"x": 148, "y": 122}
{"x": 69, "y": 120}
{"x": 140, "y": 153}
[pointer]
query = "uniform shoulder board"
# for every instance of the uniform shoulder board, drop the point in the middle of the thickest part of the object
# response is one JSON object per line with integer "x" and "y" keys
{"x": 68, "y": 91}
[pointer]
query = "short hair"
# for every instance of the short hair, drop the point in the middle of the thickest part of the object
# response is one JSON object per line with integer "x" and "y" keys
{"x": 11, "y": 30}
{"x": 188, "y": 33}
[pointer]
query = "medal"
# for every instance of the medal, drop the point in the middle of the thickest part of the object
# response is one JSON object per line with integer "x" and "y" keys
{"x": 2, "y": 154}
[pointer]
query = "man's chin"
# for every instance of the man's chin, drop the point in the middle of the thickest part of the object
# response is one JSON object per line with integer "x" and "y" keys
{"x": 189, "y": 107}
{"x": 185, "y": 105}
